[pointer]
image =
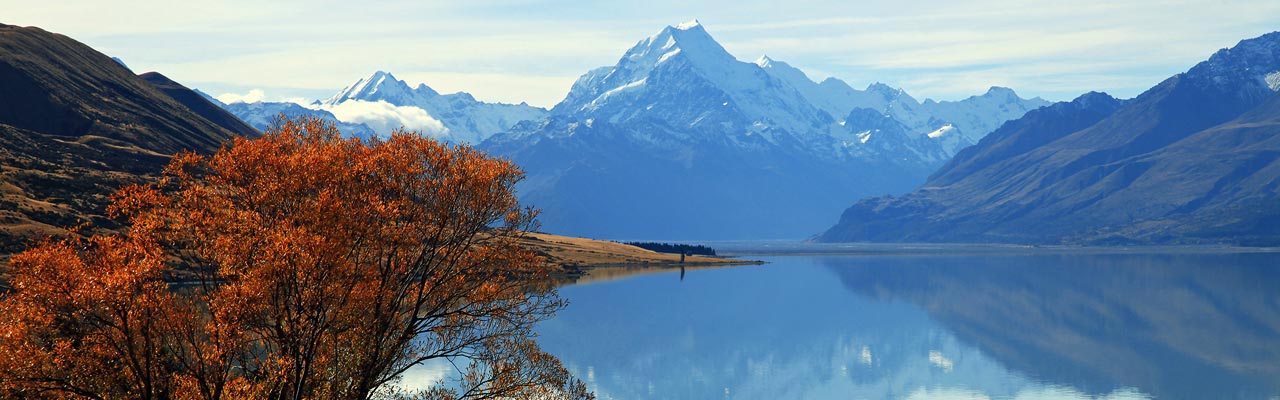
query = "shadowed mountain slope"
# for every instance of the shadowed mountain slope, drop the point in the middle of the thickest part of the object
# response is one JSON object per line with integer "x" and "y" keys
{"x": 1195, "y": 159}
{"x": 194, "y": 101}
{"x": 75, "y": 126}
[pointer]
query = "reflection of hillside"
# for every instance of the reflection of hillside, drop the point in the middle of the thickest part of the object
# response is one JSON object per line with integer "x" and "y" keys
{"x": 1176, "y": 326}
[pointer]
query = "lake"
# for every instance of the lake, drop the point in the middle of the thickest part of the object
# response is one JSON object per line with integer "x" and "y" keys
{"x": 933, "y": 323}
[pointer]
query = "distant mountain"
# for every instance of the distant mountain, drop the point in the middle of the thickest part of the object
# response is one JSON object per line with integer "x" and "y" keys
{"x": 198, "y": 103}
{"x": 75, "y": 126}
{"x": 261, "y": 115}
{"x": 679, "y": 139}
{"x": 1195, "y": 159}
{"x": 467, "y": 119}
{"x": 964, "y": 122}
{"x": 973, "y": 117}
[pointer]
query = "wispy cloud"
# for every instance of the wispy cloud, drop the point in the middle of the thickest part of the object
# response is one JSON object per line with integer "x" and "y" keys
{"x": 381, "y": 116}
{"x": 531, "y": 50}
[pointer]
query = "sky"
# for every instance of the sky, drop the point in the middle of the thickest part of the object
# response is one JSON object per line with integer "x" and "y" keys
{"x": 531, "y": 50}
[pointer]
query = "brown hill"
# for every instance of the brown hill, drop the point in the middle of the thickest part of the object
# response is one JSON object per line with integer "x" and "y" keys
{"x": 589, "y": 260}
{"x": 74, "y": 127}
{"x": 198, "y": 103}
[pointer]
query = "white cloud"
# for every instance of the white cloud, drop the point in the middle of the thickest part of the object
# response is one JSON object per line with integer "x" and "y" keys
{"x": 302, "y": 101}
{"x": 254, "y": 96}
{"x": 384, "y": 117}
{"x": 426, "y": 375}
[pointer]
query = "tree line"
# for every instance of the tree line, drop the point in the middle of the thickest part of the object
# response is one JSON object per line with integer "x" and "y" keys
{"x": 674, "y": 248}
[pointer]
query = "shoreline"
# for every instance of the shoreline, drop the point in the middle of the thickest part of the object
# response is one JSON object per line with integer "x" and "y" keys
{"x": 581, "y": 275}
{"x": 780, "y": 248}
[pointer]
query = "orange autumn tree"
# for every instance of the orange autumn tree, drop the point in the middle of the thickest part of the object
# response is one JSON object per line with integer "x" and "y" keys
{"x": 84, "y": 319}
{"x": 313, "y": 266}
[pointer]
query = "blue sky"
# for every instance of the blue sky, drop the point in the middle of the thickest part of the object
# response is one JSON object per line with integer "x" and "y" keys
{"x": 531, "y": 50}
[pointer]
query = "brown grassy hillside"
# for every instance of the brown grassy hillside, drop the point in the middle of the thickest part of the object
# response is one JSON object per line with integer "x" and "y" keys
{"x": 74, "y": 127}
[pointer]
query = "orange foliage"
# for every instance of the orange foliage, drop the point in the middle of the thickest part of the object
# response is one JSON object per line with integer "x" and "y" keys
{"x": 313, "y": 267}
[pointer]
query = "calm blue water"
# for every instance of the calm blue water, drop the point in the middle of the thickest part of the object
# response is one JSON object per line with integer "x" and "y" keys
{"x": 1068, "y": 325}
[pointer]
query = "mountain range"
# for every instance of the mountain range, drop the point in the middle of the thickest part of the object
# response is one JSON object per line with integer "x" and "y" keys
{"x": 261, "y": 115}
{"x": 681, "y": 140}
{"x": 377, "y": 104}
{"x": 1195, "y": 159}
{"x": 465, "y": 119}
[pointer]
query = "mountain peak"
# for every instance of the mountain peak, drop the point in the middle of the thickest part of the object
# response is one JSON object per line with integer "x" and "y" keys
{"x": 380, "y": 85}
{"x": 884, "y": 90}
{"x": 764, "y": 61}
{"x": 685, "y": 41}
{"x": 381, "y": 77}
{"x": 785, "y": 71}
{"x": 836, "y": 84}
{"x": 1254, "y": 62}
{"x": 1000, "y": 91}
{"x": 689, "y": 36}
{"x": 1096, "y": 99}
{"x": 424, "y": 89}
{"x": 879, "y": 87}
{"x": 684, "y": 26}
{"x": 692, "y": 36}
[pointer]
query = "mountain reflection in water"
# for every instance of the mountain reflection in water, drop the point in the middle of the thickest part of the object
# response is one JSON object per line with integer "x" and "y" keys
{"x": 926, "y": 326}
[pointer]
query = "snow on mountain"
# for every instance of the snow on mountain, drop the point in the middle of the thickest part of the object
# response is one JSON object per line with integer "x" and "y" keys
{"x": 1193, "y": 159}
{"x": 941, "y": 131}
{"x": 977, "y": 116}
{"x": 261, "y": 115}
{"x": 680, "y": 139}
{"x": 832, "y": 95}
{"x": 463, "y": 118}
{"x": 685, "y": 77}
{"x": 970, "y": 119}
{"x": 883, "y": 134}
{"x": 949, "y": 139}
{"x": 379, "y": 86}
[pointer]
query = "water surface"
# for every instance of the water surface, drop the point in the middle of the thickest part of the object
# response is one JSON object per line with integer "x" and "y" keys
{"x": 984, "y": 324}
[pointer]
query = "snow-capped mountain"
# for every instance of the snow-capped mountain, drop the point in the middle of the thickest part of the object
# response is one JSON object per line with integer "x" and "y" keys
{"x": 972, "y": 118}
{"x": 687, "y": 78}
{"x": 1194, "y": 159}
{"x": 831, "y": 95}
{"x": 680, "y": 139}
{"x": 465, "y": 119}
{"x": 261, "y": 115}
{"x": 964, "y": 122}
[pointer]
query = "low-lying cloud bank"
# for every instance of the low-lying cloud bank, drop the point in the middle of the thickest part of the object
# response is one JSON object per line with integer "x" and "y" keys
{"x": 254, "y": 96}
{"x": 380, "y": 116}
{"x": 384, "y": 117}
